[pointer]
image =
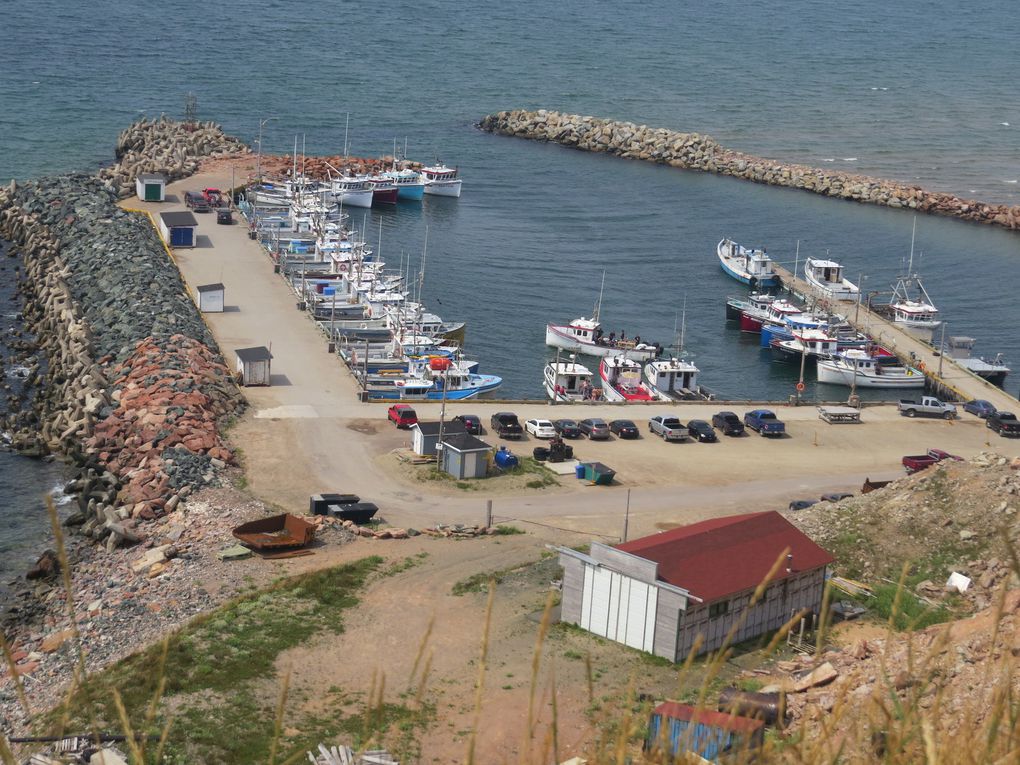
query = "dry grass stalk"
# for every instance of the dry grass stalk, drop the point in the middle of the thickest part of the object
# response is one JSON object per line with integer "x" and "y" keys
{"x": 480, "y": 680}
{"x": 12, "y": 667}
{"x": 281, "y": 708}
{"x": 536, "y": 663}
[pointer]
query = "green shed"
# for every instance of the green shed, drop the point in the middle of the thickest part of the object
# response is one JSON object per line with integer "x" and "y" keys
{"x": 151, "y": 187}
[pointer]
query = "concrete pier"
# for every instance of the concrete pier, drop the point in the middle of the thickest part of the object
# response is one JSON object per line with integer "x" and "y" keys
{"x": 945, "y": 376}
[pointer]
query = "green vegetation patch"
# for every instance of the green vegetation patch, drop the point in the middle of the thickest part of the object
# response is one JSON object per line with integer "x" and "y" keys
{"x": 219, "y": 677}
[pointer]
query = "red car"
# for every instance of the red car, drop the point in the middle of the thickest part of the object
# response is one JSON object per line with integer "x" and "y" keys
{"x": 402, "y": 415}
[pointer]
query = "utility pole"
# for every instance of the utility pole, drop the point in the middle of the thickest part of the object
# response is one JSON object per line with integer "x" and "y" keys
{"x": 626, "y": 517}
{"x": 942, "y": 348}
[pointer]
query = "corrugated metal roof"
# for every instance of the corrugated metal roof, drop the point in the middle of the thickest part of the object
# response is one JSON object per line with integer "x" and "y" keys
{"x": 180, "y": 218}
{"x": 708, "y": 717}
{"x": 723, "y": 556}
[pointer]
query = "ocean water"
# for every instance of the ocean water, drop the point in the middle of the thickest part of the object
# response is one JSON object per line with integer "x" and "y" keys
{"x": 924, "y": 95}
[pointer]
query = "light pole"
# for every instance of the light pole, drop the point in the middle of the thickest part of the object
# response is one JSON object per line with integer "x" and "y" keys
{"x": 860, "y": 291}
{"x": 258, "y": 165}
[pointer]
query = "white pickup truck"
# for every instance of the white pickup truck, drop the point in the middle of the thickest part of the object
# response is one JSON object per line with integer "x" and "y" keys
{"x": 928, "y": 406}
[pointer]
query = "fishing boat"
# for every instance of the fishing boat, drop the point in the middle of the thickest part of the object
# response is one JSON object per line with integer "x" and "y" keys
{"x": 621, "y": 381}
{"x": 959, "y": 348}
{"x": 858, "y": 368}
{"x": 807, "y": 344}
{"x": 384, "y": 191}
{"x": 675, "y": 380}
{"x": 431, "y": 382}
{"x": 441, "y": 181}
{"x": 352, "y": 192}
{"x": 779, "y": 312}
{"x": 569, "y": 381}
{"x": 409, "y": 183}
{"x": 826, "y": 276}
{"x": 586, "y": 336}
{"x": 749, "y": 266}
{"x": 910, "y": 304}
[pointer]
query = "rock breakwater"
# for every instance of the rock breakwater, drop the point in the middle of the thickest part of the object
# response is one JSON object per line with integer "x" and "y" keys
{"x": 166, "y": 146}
{"x": 130, "y": 385}
{"x": 694, "y": 151}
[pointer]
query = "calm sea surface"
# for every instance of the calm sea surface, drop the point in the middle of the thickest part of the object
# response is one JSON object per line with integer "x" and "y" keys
{"x": 927, "y": 95}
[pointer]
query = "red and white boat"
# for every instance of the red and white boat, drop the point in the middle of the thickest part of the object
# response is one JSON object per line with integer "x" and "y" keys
{"x": 772, "y": 311}
{"x": 621, "y": 381}
{"x": 384, "y": 190}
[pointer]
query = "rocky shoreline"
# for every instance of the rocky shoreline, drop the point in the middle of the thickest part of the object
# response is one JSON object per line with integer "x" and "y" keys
{"x": 124, "y": 380}
{"x": 693, "y": 151}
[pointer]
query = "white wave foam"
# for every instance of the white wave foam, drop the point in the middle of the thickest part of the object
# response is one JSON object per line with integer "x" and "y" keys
{"x": 849, "y": 159}
{"x": 829, "y": 159}
{"x": 1004, "y": 124}
{"x": 18, "y": 371}
{"x": 59, "y": 497}
{"x": 1012, "y": 181}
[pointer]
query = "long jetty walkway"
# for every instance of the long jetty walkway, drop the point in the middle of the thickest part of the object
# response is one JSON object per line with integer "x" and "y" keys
{"x": 946, "y": 377}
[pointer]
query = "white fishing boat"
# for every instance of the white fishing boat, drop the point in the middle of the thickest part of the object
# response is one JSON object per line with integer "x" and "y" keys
{"x": 806, "y": 344}
{"x": 857, "y": 368}
{"x": 586, "y": 336}
{"x": 621, "y": 381}
{"x": 910, "y": 304}
{"x": 959, "y": 347}
{"x": 675, "y": 380}
{"x": 569, "y": 381}
{"x": 746, "y": 265}
{"x": 441, "y": 181}
{"x": 351, "y": 192}
{"x": 826, "y": 276}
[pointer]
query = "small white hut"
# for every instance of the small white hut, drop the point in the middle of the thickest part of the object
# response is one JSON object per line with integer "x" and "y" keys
{"x": 253, "y": 365}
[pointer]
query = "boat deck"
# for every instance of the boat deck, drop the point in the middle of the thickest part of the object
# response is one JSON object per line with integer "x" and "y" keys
{"x": 946, "y": 375}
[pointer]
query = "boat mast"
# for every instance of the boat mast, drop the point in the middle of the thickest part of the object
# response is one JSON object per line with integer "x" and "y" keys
{"x": 683, "y": 328}
{"x": 598, "y": 303}
{"x": 346, "y": 129}
{"x": 910, "y": 265}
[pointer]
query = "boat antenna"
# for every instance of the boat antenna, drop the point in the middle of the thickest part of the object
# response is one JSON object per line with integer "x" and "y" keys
{"x": 346, "y": 129}
{"x": 796, "y": 260}
{"x": 598, "y": 303}
{"x": 913, "y": 232}
{"x": 683, "y": 326}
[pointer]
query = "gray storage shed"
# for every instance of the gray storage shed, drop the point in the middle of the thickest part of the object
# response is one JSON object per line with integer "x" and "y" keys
{"x": 425, "y": 436}
{"x": 151, "y": 187}
{"x": 178, "y": 228}
{"x": 253, "y": 365}
{"x": 663, "y": 592}
{"x": 210, "y": 298}
{"x": 464, "y": 456}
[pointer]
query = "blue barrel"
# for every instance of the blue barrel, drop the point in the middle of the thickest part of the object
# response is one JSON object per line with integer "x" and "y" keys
{"x": 505, "y": 459}
{"x": 579, "y": 470}
{"x": 329, "y": 291}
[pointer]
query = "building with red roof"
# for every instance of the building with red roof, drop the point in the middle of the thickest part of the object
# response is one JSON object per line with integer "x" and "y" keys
{"x": 691, "y": 587}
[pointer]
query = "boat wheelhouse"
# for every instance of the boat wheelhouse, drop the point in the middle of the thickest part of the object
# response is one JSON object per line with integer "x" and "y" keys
{"x": 441, "y": 181}
{"x": 621, "y": 381}
{"x": 826, "y": 276}
{"x": 675, "y": 380}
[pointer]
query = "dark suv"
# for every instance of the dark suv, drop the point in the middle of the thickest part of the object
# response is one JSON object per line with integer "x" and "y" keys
{"x": 505, "y": 425}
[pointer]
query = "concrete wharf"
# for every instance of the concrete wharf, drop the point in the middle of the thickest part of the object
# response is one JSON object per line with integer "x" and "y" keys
{"x": 945, "y": 376}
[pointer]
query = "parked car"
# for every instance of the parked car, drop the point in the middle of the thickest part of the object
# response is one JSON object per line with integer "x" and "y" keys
{"x": 764, "y": 422}
{"x": 506, "y": 425}
{"x": 567, "y": 428}
{"x": 836, "y": 496}
{"x": 624, "y": 429}
{"x": 669, "y": 427}
{"x": 540, "y": 428}
{"x": 595, "y": 428}
{"x": 802, "y": 504}
{"x": 1004, "y": 423}
{"x": 702, "y": 431}
{"x": 402, "y": 415}
{"x": 197, "y": 201}
{"x": 728, "y": 423}
{"x": 979, "y": 408}
{"x": 928, "y": 406}
{"x": 912, "y": 463}
{"x": 472, "y": 423}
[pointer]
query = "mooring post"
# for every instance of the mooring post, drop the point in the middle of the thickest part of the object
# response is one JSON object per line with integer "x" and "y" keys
{"x": 488, "y": 513}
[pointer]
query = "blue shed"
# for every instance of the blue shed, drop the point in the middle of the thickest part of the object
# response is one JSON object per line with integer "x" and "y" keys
{"x": 678, "y": 728}
{"x": 178, "y": 228}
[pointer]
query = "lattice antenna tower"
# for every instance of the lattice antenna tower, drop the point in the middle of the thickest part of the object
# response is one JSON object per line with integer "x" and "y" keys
{"x": 191, "y": 108}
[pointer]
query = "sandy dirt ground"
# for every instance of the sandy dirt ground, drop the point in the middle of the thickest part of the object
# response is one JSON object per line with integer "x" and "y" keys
{"x": 307, "y": 434}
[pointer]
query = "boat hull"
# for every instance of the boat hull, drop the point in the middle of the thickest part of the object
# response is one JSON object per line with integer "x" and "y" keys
{"x": 744, "y": 278}
{"x": 355, "y": 198}
{"x": 443, "y": 188}
{"x": 611, "y": 392}
{"x": 411, "y": 191}
{"x": 833, "y": 374}
{"x": 749, "y": 323}
{"x": 557, "y": 338}
{"x": 384, "y": 196}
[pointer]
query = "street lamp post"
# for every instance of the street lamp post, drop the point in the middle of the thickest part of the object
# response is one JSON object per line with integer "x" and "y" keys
{"x": 258, "y": 164}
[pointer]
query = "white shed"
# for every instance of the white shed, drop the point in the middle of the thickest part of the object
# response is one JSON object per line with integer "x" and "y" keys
{"x": 425, "y": 436}
{"x": 210, "y": 298}
{"x": 253, "y": 365}
{"x": 151, "y": 187}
